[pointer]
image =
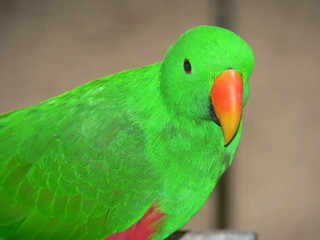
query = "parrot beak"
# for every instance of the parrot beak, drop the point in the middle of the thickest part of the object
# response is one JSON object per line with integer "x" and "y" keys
{"x": 226, "y": 96}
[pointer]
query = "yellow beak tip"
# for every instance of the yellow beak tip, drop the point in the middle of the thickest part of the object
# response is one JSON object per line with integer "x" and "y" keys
{"x": 230, "y": 126}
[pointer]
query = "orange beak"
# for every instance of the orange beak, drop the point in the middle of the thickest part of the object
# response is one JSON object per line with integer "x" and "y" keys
{"x": 226, "y": 96}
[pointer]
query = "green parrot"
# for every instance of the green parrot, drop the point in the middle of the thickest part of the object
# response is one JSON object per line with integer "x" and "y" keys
{"x": 133, "y": 155}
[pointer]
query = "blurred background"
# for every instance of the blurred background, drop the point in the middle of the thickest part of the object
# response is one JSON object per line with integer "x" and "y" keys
{"x": 49, "y": 47}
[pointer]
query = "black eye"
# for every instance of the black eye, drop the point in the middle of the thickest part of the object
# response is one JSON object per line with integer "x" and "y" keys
{"x": 187, "y": 66}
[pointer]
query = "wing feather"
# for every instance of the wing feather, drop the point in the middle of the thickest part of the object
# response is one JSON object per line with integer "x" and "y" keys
{"x": 75, "y": 164}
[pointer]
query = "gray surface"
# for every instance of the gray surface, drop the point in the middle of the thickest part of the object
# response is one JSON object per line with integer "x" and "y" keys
{"x": 219, "y": 235}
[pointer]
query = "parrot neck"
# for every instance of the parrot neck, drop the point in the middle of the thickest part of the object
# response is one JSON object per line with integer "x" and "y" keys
{"x": 193, "y": 156}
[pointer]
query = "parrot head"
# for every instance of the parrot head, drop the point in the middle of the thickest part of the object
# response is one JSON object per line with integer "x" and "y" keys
{"x": 204, "y": 76}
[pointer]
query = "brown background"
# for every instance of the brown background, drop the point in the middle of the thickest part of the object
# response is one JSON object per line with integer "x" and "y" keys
{"x": 48, "y": 47}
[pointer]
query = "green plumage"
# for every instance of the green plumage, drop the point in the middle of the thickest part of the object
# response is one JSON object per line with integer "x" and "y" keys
{"x": 91, "y": 162}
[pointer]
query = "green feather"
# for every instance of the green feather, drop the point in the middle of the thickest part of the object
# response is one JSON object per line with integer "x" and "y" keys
{"x": 91, "y": 162}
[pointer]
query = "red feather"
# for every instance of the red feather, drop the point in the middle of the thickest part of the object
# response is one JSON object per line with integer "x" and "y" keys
{"x": 144, "y": 228}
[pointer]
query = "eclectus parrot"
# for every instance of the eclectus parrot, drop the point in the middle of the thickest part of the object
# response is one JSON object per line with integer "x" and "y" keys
{"x": 130, "y": 156}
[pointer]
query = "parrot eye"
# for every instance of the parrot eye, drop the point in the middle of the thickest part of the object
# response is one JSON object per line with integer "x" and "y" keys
{"x": 187, "y": 66}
